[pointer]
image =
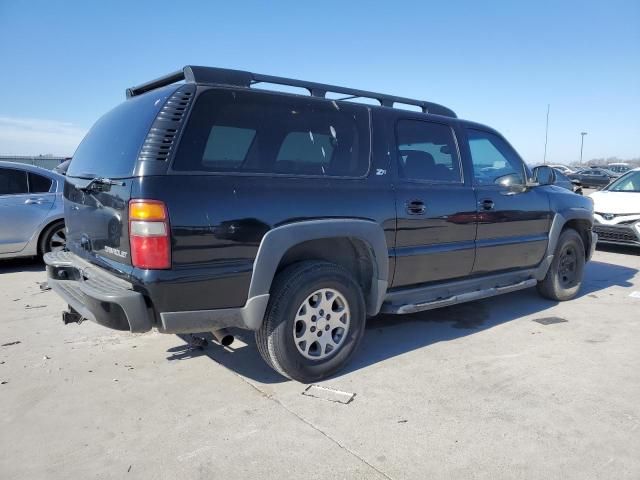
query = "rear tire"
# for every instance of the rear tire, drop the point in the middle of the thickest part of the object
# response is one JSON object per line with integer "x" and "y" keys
{"x": 314, "y": 321}
{"x": 53, "y": 238}
{"x": 564, "y": 278}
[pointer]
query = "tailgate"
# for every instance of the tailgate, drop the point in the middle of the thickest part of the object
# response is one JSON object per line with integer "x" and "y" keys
{"x": 97, "y": 222}
{"x": 97, "y": 218}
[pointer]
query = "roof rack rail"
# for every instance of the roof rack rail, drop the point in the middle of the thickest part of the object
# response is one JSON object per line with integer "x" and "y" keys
{"x": 240, "y": 78}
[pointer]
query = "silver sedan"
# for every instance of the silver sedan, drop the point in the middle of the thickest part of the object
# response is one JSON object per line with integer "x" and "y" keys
{"x": 31, "y": 211}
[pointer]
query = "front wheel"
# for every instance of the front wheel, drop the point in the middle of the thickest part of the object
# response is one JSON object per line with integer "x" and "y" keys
{"x": 314, "y": 322}
{"x": 564, "y": 278}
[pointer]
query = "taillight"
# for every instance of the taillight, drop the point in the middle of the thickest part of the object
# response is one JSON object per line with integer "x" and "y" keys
{"x": 149, "y": 234}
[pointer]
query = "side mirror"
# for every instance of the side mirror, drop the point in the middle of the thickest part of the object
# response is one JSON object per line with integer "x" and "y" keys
{"x": 544, "y": 175}
{"x": 512, "y": 183}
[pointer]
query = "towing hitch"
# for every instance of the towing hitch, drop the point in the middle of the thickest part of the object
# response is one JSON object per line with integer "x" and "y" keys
{"x": 72, "y": 317}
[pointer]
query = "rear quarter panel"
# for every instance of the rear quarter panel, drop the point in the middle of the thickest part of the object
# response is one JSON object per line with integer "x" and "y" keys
{"x": 218, "y": 221}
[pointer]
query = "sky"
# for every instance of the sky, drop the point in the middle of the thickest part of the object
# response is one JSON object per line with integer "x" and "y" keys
{"x": 64, "y": 64}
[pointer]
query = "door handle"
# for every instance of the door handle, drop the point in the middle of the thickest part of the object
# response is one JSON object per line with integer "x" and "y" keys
{"x": 416, "y": 207}
{"x": 487, "y": 204}
{"x": 34, "y": 201}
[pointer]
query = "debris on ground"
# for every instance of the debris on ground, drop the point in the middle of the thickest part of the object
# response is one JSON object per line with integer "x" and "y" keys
{"x": 329, "y": 394}
{"x": 44, "y": 286}
{"x": 46, "y": 357}
{"x": 550, "y": 320}
{"x": 31, "y": 307}
{"x": 11, "y": 343}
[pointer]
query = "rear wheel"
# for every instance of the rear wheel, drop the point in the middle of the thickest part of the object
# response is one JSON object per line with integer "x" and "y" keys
{"x": 564, "y": 278}
{"x": 314, "y": 322}
{"x": 53, "y": 239}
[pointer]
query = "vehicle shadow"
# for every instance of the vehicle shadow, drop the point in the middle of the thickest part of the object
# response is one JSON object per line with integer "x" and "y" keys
{"x": 388, "y": 336}
{"x": 619, "y": 249}
{"x": 27, "y": 264}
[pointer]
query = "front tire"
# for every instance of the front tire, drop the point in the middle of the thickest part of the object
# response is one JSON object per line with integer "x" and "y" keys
{"x": 564, "y": 278}
{"x": 314, "y": 321}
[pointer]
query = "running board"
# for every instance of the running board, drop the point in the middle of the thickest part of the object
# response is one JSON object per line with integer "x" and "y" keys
{"x": 455, "y": 299}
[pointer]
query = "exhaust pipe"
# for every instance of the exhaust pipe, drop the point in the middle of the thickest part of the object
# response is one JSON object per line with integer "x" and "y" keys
{"x": 223, "y": 336}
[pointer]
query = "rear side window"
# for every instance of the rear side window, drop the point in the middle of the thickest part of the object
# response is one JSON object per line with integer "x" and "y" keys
{"x": 13, "y": 182}
{"x": 251, "y": 132}
{"x": 227, "y": 146}
{"x": 111, "y": 147}
{"x": 38, "y": 183}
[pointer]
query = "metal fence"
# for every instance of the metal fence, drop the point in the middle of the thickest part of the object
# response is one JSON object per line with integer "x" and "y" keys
{"x": 44, "y": 162}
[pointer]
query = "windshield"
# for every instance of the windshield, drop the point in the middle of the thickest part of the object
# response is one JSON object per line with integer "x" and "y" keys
{"x": 629, "y": 182}
{"x": 111, "y": 147}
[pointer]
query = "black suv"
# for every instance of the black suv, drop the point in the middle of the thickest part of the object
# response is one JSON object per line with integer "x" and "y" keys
{"x": 209, "y": 203}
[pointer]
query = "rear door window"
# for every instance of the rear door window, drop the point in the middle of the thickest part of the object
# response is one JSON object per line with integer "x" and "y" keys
{"x": 251, "y": 132}
{"x": 427, "y": 151}
{"x": 39, "y": 183}
{"x": 13, "y": 182}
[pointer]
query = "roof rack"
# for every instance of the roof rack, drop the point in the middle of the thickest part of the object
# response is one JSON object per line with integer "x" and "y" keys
{"x": 240, "y": 78}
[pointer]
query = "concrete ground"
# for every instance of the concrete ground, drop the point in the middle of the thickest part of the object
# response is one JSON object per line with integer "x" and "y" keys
{"x": 482, "y": 390}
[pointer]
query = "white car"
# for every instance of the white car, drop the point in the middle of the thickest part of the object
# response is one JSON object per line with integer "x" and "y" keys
{"x": 563, "y": 168}
{"x": 617, "y": 210}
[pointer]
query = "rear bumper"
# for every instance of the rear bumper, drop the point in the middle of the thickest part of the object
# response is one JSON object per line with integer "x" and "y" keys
{"x": 108, "y": 300}
{"x": 96, "y": 294}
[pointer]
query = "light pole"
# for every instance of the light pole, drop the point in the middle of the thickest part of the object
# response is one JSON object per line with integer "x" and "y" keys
{"x": 546, "y": 136}
{"x": 581, "y": 144}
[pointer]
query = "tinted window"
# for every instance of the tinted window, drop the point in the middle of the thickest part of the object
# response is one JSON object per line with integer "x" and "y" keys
{"x": 306, "y": 147}
{"x": 251, "y": 132}
{"x": 493, "y": 158}
{"x": 111, "y": 147}
{"x": 38, "y": 183}
{"x": 427, "y": 151}
{"x": 228, "y": 146}
{"x": 12, "y": 181}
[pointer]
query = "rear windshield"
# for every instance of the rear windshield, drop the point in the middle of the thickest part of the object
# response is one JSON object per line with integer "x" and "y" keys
{"x": 251, "y": 132}
{"x": 111, "y": 147}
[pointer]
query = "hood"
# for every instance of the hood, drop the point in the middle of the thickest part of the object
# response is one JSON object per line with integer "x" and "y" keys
{"x": 625, "y": 203}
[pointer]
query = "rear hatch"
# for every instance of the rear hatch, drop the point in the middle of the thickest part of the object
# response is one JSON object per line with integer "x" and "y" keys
{"x": 100, "y": 177}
